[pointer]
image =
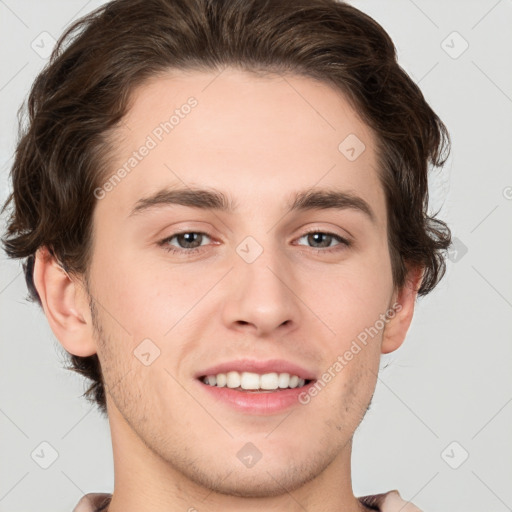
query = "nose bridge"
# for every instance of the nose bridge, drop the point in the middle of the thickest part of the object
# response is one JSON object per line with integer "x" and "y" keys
{"x": 261, "y": 293}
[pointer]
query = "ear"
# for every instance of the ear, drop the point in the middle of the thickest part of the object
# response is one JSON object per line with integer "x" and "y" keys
{"x": 403, "y": 306}
{"x": 65, "y": 304}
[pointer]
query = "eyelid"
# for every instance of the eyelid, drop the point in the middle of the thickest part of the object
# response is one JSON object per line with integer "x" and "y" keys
{"x": 343, "y": 242}
{"x": 330, "y": 232}
{"x": 164, "y": 242}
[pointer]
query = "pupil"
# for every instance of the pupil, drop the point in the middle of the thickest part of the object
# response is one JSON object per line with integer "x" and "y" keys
{"x": 189, "y": 235}
{"x": 317, "y": 238}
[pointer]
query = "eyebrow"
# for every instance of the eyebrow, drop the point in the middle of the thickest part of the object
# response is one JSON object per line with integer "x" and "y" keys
{"x": 212, "y": 199}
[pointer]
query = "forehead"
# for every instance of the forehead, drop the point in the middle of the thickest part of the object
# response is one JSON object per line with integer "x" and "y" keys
{"x": 259, "y": 137}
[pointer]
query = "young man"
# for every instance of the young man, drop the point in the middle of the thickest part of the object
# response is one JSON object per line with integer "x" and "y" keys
{"x": 222, "y": 206}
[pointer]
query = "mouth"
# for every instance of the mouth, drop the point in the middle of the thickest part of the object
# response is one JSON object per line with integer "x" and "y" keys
{"x": 245, "y": 393}
{"x": 259, "y": 387}
{"x": 251, "y": 382}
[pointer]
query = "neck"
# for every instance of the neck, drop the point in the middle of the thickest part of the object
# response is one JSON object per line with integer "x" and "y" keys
{"x": 143, "y": 480}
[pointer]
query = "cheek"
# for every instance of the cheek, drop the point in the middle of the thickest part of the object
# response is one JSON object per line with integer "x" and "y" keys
{"x": 356, "y": 303}
{"x": 360, "y": 386}
{"x": 354, "y": 300}
{"x": 144, "y": 300}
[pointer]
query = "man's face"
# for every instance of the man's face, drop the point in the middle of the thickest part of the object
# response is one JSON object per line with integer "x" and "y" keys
{"x": 253, "y": 283}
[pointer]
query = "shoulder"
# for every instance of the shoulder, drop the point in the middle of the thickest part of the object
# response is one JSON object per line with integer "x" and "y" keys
{"x": 93, "y": 502}
{"x": 388, "y": 502}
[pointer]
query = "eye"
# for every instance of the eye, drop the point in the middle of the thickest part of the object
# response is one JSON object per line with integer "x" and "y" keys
{"x": 188, "y": 241}
{"x": 324, "y": 240}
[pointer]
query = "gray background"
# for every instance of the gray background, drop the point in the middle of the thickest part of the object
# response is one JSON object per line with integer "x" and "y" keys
{"x": 449, "y": 383}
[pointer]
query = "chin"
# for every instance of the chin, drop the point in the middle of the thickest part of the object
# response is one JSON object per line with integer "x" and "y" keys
{"x": 268, "y": 477}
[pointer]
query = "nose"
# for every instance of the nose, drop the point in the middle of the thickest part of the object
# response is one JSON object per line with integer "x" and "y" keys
{"x": 260, "y": 297}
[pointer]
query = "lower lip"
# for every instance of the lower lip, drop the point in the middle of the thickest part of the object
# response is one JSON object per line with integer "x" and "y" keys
{"x": 257, "y": 403}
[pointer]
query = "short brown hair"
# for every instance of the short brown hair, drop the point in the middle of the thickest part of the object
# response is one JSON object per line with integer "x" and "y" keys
{"x": 80, "y": 97}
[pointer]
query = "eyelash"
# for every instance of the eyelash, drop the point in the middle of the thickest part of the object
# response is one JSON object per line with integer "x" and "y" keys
{"x": 344, "y": 243}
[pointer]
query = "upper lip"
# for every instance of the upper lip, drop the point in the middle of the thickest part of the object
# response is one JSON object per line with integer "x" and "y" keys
{"x": 261, "y": 367}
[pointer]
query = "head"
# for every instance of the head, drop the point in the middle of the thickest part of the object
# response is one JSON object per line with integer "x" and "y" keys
{"x": 260, "y": 102}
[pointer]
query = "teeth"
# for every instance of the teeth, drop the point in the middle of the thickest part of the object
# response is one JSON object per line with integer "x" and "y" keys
{"x": 233, "y": 379}
{"x": 269, "y": 381}
{"x": 284, "y": 380}
{"x": 251, "y": 381}
{"x": 294, "y": 381}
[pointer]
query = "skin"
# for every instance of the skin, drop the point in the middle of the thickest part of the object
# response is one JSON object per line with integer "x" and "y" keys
{"x": 174, "y": 447}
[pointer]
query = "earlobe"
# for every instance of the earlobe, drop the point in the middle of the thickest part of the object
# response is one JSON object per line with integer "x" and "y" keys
{"x": 402, "y": 304}
{"x": 64, "y": 304}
